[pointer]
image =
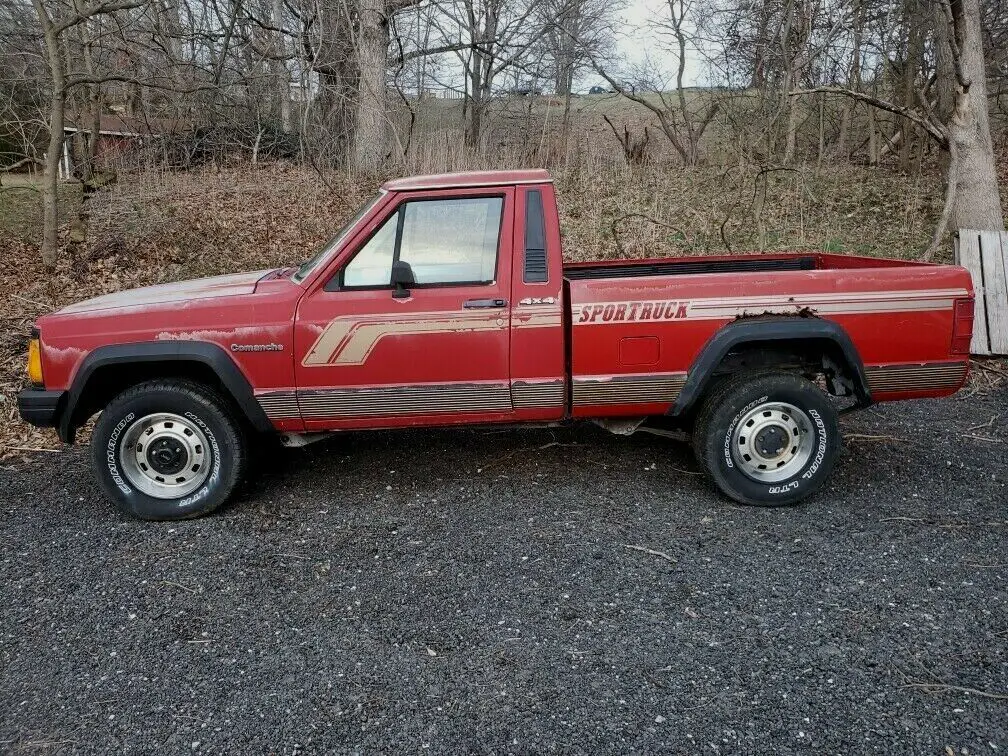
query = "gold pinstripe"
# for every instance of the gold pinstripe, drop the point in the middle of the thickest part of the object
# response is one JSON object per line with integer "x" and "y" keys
{"x": 349, "y": 340}
{"x": 627, "y": 389}
{"x": 915, "y": 377}
{"x": 531, "y": 394}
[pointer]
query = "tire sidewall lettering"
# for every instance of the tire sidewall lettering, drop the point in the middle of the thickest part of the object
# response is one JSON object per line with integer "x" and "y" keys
{"x": 817, "y": 461}
{"x": 729, "y": 461}
{"x": 204, "y": 491}
{"x": 112, "y": 453}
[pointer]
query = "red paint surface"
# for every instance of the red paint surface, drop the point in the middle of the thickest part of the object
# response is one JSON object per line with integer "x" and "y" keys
{"x": 258, "y": 308}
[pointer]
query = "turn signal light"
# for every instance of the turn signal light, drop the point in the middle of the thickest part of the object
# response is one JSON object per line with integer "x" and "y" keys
{"x": 35, "y": 362}
{"x": 962, "y": 326}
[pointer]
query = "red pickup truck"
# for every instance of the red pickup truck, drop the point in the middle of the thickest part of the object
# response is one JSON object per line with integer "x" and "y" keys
{"x": 446, "y": 301}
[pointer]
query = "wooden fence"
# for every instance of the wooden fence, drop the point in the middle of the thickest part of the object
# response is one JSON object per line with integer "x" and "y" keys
{"x": 985, "y": 255}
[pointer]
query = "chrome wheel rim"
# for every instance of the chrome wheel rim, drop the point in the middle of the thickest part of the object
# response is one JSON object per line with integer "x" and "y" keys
{"x": 165, "y": 455}
{"x": 773, "y": 442}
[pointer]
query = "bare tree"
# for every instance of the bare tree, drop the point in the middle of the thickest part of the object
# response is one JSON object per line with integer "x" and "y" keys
{"x": 684, "y": 119}
{"x": 575, "y": 32}
{"x": 56, "y": 22}
{"x": 972, "y": 198}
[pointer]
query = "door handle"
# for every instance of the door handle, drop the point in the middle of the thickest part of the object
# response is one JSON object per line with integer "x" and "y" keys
{"x": 484, "y": 304}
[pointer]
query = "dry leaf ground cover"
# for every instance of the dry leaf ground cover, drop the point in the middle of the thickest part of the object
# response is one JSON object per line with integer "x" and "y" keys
{"x": 155, "y": 226}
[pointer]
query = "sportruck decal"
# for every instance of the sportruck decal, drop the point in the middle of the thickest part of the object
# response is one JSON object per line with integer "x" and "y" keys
{"x": 722, "y": 308}
{"x": 624, "y": 312}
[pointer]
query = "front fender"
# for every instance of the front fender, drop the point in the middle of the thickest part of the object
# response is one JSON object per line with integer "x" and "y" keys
{"x": 149, "y": 353}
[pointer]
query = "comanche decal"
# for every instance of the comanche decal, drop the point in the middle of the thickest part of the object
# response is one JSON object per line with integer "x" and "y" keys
{"x": 271, "y": 347}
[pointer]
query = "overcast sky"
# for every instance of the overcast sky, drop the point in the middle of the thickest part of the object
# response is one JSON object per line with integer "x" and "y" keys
{"x": 638, "y": 42}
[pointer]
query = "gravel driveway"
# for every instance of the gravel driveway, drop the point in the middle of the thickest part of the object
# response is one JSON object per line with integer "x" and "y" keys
{"x": 522, "y": 591}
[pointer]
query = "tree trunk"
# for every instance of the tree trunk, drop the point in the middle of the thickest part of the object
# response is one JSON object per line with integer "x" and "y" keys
{"x": 913, "y": 20}
{"x": 90, "y": 146}
{"x": 54, "y": 151}
{"x": 758, "y": 79}
{"x": 977, "y": 201}
{"x": 280, "y": 72}
{"x": 371, "y": 136}
{"x": 334, "y": 108}
{"x": 480, "y": 86}
{"x": 853, "y": 81}
{"x": 565, "y": 124}
{"x": 822, "y": 130}
{"x": 792, "y": 130}
{"x": 475, "y": 112}
{"x": 945, "y": 85}
{"x": 872, "y": 137}
{"x": 483, "y": 31}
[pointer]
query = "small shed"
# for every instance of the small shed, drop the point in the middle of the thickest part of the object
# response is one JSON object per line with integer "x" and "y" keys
{"x": 116, "y": 134}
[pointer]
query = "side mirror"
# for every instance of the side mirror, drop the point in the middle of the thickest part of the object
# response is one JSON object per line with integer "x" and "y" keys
{"x": 402, "y": 277}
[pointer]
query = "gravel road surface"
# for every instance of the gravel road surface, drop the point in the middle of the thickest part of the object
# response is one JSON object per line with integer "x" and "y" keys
{"x": 521, "y": 592}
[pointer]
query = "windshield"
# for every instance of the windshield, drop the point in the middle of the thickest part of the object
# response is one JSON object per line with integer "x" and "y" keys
{"x": 311, "y": 263}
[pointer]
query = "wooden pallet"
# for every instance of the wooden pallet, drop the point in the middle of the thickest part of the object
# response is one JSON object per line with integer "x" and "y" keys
{"x": 985, "y": 255}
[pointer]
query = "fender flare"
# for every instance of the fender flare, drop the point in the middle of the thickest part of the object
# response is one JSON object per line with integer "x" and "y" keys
{"x": 766, "y": 330}
{"x": 205, "y": 353}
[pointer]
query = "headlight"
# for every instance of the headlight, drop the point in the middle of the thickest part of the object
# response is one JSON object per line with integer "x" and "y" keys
{"x": 35, "y": 361}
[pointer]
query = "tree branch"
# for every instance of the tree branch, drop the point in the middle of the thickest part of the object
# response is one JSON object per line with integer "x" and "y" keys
{"x": 938, "y": 133}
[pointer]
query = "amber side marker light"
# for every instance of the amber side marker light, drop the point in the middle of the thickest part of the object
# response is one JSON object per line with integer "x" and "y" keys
{"x": 35, "y": 362}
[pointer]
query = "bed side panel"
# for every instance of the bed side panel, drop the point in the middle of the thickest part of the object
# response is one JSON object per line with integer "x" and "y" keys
{"x": 635, "y": 339}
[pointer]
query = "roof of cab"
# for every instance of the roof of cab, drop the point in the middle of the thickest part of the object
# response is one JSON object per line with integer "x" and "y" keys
{"x": 470, "y": 178}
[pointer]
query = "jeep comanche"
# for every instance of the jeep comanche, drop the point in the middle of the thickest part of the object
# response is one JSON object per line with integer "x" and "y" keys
{"x": 446, "y": 301}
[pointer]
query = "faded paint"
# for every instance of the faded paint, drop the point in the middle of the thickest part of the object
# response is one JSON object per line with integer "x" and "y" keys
{"x": 363, "y": 359}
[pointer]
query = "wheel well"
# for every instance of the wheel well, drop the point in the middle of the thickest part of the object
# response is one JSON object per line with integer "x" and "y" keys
{"x": 821, "y": 359}
{"x": 812, "y": 357}
{"x": 108, "y": 381}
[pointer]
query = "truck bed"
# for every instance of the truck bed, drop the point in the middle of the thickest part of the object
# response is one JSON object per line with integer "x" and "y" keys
{"x": 638, "y": 327}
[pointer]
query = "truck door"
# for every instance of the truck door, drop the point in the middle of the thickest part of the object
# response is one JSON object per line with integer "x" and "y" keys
{"x": 433, "y": 349}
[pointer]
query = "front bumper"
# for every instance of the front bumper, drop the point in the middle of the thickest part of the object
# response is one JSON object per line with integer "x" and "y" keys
{"x": 41, "y": 408}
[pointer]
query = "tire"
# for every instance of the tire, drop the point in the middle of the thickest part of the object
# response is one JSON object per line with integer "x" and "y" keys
{"x": 168, "y": 450}
{"x": 767, "y": 439}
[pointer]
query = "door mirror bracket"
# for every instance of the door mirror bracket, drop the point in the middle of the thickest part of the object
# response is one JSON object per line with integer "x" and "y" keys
{"x": 402, "y": 278}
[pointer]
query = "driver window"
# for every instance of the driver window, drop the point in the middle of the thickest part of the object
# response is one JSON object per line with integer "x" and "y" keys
{"x": 452, "y": 241}
{"x": 446, "y": 241}
{"x": 372, "y": 266}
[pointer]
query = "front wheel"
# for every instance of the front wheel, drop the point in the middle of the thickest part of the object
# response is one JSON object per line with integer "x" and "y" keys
{"x": 767, "y": 439}
{"x": 167, "y": 450}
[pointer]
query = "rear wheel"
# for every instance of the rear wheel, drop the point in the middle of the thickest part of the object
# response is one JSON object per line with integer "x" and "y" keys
{"x": 768, "y": 439}
{"x": 168, "y": 450}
